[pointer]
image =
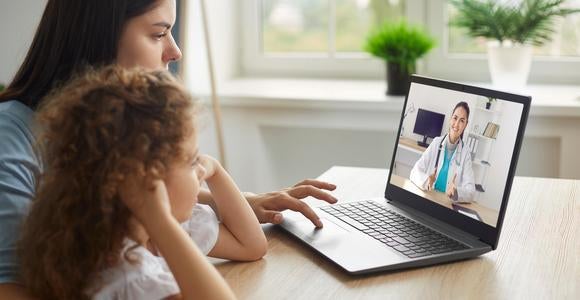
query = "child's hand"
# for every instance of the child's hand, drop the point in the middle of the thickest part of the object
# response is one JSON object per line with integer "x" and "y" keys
{"x": 146, "y": 200}
{"x": 210, "y": 166}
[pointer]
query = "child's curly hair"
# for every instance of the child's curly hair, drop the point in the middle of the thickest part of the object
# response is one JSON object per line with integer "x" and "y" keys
{"x": 102, "y": 127}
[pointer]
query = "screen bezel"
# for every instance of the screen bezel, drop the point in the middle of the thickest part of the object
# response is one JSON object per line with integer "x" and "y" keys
{"x": 486, "y": 233}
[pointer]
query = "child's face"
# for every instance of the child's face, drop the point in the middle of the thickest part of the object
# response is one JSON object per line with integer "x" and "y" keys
{"x": 183, "y": 181}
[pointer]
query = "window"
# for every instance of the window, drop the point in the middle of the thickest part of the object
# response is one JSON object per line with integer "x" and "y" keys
{"x": 317, "y": 37}
{"x": 565, "y": 42}
{"x": 555, "y": 62}
{"x": 323, "y": 26}
{"x": 324, "y": 38}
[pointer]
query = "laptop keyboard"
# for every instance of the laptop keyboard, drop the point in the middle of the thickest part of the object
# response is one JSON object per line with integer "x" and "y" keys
{"x": 392, "y": 229}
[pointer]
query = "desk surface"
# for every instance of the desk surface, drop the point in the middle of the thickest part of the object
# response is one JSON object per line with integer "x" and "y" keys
{"x": 488, "y": 215}
{"x": 411, "y": 144}
{"x": 538, "y": 255}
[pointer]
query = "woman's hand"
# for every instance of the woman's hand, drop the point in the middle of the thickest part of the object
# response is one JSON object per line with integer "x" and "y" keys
{"x": 268, "y": 206}
{"x": 452, "y": 189}
{"x": 431, "y": 181}
{"x": 146, "y": 200}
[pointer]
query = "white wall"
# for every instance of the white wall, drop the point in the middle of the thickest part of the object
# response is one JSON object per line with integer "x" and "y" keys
{"x": 500, "y": 157}
{"x": 437, "y": 100}
{"x": 224, "y": 39}
{"x": 272, "y": 147}
{"x": 18, "y": 22}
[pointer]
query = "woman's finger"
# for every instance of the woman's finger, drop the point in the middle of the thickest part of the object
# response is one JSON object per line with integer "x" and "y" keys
{"x": 303, "y": 208}
{"x": 317, "y": 183}
{"x": 304, "y": 191}
{"x": 271, "y": 216}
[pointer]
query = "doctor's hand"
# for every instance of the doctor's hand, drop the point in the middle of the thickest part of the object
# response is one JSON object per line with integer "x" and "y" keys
{"x": 452, "y": 189}
{"x": 431, "y": 181}
{"x": 268, "y": 206}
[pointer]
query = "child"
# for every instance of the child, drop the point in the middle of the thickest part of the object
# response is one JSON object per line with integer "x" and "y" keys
{"x": 122, "y": 170}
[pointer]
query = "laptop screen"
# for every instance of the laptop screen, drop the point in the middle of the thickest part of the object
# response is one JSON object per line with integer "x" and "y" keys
{"x": 464, "y": 164}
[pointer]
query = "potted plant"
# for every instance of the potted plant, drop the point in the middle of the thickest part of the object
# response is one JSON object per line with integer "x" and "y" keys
{"x": 489, "y": 102}
{"x": 400, "y": 44}
{"x": 511, "y": 29}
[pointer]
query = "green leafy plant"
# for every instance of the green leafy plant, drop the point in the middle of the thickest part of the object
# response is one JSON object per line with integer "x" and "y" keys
{"x": 400, "y": 43}
{"x": 489, "y": 102}
{"x": 2, "y": 86}
{"x": 522, "y": 22}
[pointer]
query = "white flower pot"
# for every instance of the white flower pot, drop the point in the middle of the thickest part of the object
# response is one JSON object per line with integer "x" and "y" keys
{"x": 509, "y": 64}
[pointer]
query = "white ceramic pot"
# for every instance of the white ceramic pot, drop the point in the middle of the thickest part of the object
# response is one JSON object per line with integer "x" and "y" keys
{"x": 509, "y": 64}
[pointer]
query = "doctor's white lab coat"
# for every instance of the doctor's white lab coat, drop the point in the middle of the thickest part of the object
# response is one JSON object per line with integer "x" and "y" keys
{"x": 460, "y": 164}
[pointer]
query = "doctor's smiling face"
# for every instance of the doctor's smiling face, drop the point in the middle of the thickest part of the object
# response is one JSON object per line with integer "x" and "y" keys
{"x": 458, "y": 121}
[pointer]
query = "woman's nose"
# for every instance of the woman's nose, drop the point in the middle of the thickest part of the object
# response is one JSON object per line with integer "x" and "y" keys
{"x": 172, "y": 53}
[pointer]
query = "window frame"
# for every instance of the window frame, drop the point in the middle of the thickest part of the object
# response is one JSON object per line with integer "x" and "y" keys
{"x": 254, "y": 62}
{"x": 438, "y": 63}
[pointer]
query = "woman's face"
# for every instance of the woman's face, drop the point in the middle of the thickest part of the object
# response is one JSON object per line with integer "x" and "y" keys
{"x": 183, "y": 181}
{"x": 458, "y": 123}
{"x": 146, "y": 40}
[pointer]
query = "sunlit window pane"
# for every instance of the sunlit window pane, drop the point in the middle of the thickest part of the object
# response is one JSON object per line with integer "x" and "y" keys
{"x": 354, "y": 19}
{"x": 565, "y": 41}
{"x": 295, "y": 25}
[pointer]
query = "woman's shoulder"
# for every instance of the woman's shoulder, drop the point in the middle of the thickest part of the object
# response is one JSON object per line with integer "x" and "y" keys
{"x": 144, "y": 276}
{"x": 435, "y": 142}
{"x": 16, "y": 122}
{"x": 16, "y": 111}
{"x": 438, "y": 139}
{"x": 19, "y": 164}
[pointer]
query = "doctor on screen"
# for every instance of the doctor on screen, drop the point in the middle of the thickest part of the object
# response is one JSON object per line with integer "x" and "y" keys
{"x": 446, "y": 165}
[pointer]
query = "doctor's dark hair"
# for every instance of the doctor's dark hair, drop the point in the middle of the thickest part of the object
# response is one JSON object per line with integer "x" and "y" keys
{"x": 465, "y": 106}
{"x": 71, "y": 35}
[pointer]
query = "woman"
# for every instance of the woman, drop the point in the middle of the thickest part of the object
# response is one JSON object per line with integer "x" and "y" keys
{"x": 446, "y": 164}
{"x": 71, "y": 35}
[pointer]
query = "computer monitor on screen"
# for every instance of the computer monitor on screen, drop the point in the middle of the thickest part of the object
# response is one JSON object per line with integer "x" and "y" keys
{"x": 428, "y": 124}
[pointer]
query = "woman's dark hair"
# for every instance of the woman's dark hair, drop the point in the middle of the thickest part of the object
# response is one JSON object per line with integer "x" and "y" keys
{"x": 72, "y": 34}
{"x": 465, "y": 106}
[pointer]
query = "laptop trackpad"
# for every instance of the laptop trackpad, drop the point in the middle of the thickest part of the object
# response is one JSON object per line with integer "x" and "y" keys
{"x": 311, "y": 233}
{"x": 354, "y": 252}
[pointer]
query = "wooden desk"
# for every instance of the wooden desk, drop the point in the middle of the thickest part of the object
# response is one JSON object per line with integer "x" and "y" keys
{"x": 488, "y": 215}
{"x": 411, "y": 144}
{"x": 538, "y": 255}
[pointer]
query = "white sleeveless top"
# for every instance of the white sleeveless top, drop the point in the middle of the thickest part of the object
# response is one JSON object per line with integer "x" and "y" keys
{"x": 150, "y": 278}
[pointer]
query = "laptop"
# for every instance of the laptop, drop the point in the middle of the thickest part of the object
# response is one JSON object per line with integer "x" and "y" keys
{"x": 422, "y": 221}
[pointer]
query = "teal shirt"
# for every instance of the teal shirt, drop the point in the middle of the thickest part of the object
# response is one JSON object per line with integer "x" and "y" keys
{"x": 441, "y": 183}
{"x": 19, "y": 169}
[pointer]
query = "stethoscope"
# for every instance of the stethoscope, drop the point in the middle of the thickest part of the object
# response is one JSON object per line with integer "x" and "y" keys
{"x": 457, "y": 155}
